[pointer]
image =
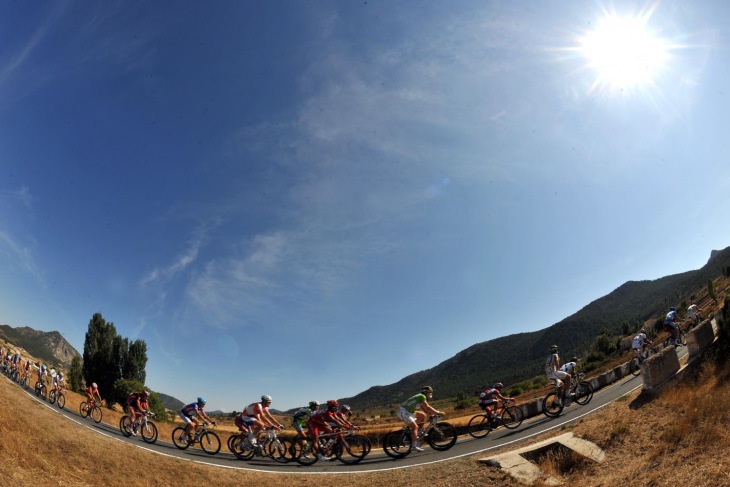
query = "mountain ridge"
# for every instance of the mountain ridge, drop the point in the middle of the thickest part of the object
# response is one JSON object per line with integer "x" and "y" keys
{"x": 518, "y": 357}
{"x": 49, "y": 346}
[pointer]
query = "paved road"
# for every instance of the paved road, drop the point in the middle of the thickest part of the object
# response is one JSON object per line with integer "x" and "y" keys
{"x": 377, "y": 460}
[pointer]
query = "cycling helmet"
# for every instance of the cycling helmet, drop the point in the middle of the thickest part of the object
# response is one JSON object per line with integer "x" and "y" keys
{"x": 426, "y": 389}
{"x": 672, "y": 308}
{"x": 265, "y": 398}
{"x": 314, "y": 404}
{"x": 146, "y": 392}
{"x": 94, "y": 386}
{"x": 201, "y": 400}
{"x": 643, "y": 330}
{"x": 498, "y": 385}
{"x": 345, "y": 408}
{"x": 60, "y": 374}
{"x": 553, "y": 348}
{"x": 574, "y": 359}
{"x": 332, "y": 404}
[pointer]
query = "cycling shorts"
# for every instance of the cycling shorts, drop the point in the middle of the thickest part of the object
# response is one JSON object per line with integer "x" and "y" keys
{"x": 406, "y": 415}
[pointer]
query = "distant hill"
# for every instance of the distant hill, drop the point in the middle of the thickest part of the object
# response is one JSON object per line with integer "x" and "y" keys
{"x": 518, "y": 357}
{"x": 50, "y": 346}
{"x": 170, "y": 402}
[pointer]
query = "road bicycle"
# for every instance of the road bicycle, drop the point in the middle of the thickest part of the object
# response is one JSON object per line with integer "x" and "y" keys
{"x": 147, "y": 428}
{"x": 41, "y": 390}
{"x": 681, "y": 337}
{"x": 91, "y": 409}
{"x": 57, "y": 396}
{"x": 510, "y": 417}
{"x": 209, "y": 441}
{"x": 268, "y": 444}
{"x": 581, "y": 392}
{"x": 346, "y": 446}
{"x": 638, "y": 359}
{"x": 440, "y": 436}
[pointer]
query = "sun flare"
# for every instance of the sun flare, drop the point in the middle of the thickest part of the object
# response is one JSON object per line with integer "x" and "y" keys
{"x": 624, "y": 53}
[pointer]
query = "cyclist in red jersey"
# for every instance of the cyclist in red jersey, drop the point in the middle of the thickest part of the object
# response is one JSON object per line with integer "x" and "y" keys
{"x": 137, "y": 403}
{"x": 318, "y": 423}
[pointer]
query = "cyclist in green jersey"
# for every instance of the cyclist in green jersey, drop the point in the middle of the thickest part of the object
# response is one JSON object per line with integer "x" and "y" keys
{"x": 413, "y": 417}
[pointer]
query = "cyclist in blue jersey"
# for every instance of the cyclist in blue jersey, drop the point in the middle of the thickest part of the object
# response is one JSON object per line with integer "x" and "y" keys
{"x": 670, "y": 324}
{"x": 188, "y": 415}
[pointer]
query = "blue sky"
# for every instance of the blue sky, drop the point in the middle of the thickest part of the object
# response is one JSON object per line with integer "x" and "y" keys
{"x": 305, "y": 199}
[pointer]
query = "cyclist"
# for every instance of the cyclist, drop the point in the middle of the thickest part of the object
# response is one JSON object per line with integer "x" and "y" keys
{"x": 257, "y": 417}
{"x": 137, "y": 402}
{"x": 188, "y": 414}
{"x": 300, "y": 416}
{"x": 28, "y": 364}
{"x": 569, "y": 367}
{"x": 639, "y": 344}
{"x": 489, "y": 397}
{"x": 410, "y": 414}
{"x": 670, "y": 324}
{"x": 319, "y": 422}
{"x": 59, "y": 383}
{"x": 553, "y": 372}
{"x": 42, "y": 372}
{"x": 90, "y": 392}
{"x": 693, "y": 312}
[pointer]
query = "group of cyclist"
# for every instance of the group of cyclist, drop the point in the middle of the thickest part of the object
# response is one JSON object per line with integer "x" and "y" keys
{"x": 311, "y": 421}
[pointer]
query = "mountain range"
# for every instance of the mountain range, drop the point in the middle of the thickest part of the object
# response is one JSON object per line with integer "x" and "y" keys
{"x": 518, "y": 357}
{"x": 49, "y": 347}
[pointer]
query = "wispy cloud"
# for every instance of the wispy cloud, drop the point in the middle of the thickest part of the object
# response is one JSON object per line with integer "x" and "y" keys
{"x": 20, "y": 256}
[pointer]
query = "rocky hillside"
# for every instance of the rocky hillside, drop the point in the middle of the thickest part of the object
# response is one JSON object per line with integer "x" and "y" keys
{"x": 50, "y": 346}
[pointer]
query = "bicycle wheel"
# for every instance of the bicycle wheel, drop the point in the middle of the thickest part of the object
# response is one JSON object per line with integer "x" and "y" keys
{"x": 350, "y": 450}
{"x": 96, "y": 414}
{"x": 442, "y": 436}
{"x": 44, "y": 392}
{"x": 552, "y": 406}
{"x": 149, "y": 432}
{"x": 61, "y": 400}
{"x": 366, "y": 441}
{"x": 512, "y": 417}
{"x": 83, "y": 409}
{"x": 210, "y": 443}
{"x": 682, "y": 338}
{"x": 241, "y": 447}
{"x": 180, "y": 438}
{"x": 583, "y": 393}
{"x": 479, "y": 426}
{"x": 52, "y": 397}
{"x": 279, "y": 450}
{"x": 397, "y": 444}
{"x": 304, "y": 453}
{"x": 635, "y": 366}
{"x": 125, "y": 426}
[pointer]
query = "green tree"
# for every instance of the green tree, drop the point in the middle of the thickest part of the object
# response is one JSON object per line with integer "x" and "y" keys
{"x": 101, "y": 357}
{"x": 109, "y": 357}
{"x": 711, "y": 290}
{"x": 75, "y": 376}
{"x": 134, "y": 367}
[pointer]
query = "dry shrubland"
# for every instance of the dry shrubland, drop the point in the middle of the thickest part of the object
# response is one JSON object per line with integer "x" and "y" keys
{"x": 679, "y": 438}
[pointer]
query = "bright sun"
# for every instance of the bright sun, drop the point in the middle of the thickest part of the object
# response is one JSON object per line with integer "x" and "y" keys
{"x": 624, "y": 52}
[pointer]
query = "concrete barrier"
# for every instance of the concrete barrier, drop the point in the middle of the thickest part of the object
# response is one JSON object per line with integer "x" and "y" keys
{"x": 659, "y": 368}
{"x": 699, "y": 338}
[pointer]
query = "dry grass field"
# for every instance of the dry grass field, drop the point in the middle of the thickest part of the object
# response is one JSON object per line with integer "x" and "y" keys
{"x": 680, "y": 438}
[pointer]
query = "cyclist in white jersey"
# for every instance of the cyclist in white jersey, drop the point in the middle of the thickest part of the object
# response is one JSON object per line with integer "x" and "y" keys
{"x": 553, "y": 372}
